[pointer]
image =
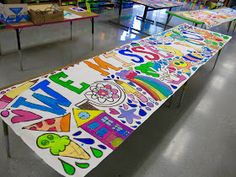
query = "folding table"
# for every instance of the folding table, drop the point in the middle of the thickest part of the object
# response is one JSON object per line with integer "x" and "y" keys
{"x": 74, "y": 117}
{"x": 209, "y": 18}
{"x": 150, "y": 5}
{"x": 70, "y": 15}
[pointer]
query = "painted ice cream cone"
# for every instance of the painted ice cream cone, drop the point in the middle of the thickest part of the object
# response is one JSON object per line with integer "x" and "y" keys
{"x": 61, "y": 146}
{"x": 75, "y": 151}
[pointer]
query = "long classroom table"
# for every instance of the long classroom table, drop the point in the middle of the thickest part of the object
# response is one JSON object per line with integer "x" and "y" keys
{"x": 150, "y": 5}
{"x": 70, "y": 15}
{"x": 209, "y": 18}
{"x": 74, "y": 117}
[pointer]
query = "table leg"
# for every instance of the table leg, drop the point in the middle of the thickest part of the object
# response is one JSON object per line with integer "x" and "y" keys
{"x": 120, "y": 8}
{"x": 182, "y": 94}
{"x": 0, "y": 49}
{"x": 145, "y": 13}
{"x": 217, "y": 58}
{"x": 169, "y": 16}
{"x": 6, "y": 137}
{"x": 19, "y": 48}
{"x": 234, "y": 27}
{"x": 168, "y": 19}
{"x": 92, "y": 21}
{"x": 169, "y": 101}
{"x": 144, "y": 17}
{"x": 71, "y": 28}
{"x": 230, "y": 23}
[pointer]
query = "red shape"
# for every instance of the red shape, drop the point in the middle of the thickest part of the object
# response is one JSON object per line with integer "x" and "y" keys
{"x": 52, "y": 129}
{"x": 40, "y": 124}
{"x": 130, "y": 75}
{"x": 50, "y": 121}
{"x": 33, "y": 128}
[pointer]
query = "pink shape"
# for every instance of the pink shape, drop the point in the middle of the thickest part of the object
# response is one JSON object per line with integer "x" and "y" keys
{"x": 3, "y": 104}
{"x": 4, "y": 101}
{"x": 114, "y": 91}
{"x": 115, "y": 96}
{"x": 126, "y": 107}
{"x": 108, "y": 86}
{"x": 5, "y": 113}
{"x": 177, "y": 82}
{"x": 23, "y": 116}
{"x": 102, "y": 92}
{"x": 113, "y": 111}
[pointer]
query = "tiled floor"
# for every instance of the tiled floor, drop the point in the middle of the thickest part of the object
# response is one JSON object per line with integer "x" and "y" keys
{"x": 196, "y": 140}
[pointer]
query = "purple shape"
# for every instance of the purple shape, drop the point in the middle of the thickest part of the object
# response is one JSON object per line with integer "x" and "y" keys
{"x": 115, "y": 129}
{"x": 128, "y": 115}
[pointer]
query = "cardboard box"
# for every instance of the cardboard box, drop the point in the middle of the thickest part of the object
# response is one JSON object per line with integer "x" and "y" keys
{"x": 12, "y": 1}
{"x": 14, "y": 13}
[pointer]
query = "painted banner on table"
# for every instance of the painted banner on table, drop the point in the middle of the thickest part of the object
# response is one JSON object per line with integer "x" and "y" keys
{"x": 159, "y": 3}
{"x": 211, "y": 18}
{"x": 73, "y": 118}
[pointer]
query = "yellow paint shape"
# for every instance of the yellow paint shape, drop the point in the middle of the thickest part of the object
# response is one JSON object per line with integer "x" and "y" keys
{"x": 117, "y": 142}
{"x": 171, "y": 50}
{"x": 83, "y": 116}
{"x": 17, "y": 91}
{"x": 127, "y": 87}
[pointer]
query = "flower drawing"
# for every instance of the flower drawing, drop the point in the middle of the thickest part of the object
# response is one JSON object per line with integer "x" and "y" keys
{"x": 103, "y": 92}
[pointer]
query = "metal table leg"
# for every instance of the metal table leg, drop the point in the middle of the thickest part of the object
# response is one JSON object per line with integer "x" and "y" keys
{"x": 120, "y": 8}
{"x": 6, "y": 137}
{"x": 145, "y": 13}
{"x": 217, "y": 58}
{"x": 0, "y": 49}
{"x": 169, "y": 101}
{"x": 131, "y": 29}
{"x": 169, "y": 16}
{"x": 230, "y": 23}
{"x": 118, "y": 22}
{"x": 234, "y": 27}
{"x": 92, "y": 21}
{"x": 19, "y": 48}
{"x": 71, "y": 28}
{"x": 182, "y": 94}
{"x": 144, "y": 17}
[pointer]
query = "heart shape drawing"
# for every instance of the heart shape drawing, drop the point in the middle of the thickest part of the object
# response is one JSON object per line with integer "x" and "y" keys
{"x": 113, "y": 111}
{"x": 23, "y": 116}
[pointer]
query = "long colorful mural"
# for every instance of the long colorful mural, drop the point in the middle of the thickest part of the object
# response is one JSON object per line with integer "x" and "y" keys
{"x": 159, "y": 3}
{"x": 73, "y": 118}
{"x": 210, "y": 18}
